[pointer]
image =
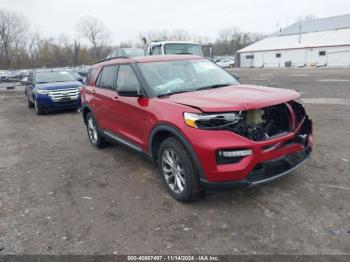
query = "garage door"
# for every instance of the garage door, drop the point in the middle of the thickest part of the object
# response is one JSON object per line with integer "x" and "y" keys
{"x": 339, "y": 58}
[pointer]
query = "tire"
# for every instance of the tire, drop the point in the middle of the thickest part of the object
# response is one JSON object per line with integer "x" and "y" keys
{"x": 93, "y": 132}
{"x": 177, "y": 170}
{"x": 38, "y": 111}
{"x": 30, "y": 104}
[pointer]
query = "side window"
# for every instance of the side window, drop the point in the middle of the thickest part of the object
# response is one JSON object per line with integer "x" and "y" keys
{"x": 88, "y": 77}
{"x": 127, "y": 80}
{"x": 106, "y": 77}
{"x": 156, "y": 50}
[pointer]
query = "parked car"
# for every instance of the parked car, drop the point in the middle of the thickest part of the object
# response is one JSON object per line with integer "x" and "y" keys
{"x": 77, "y": 76}
{"x": 4, "y": 75}
{"x": 225, "y": 63}
{"x": 174, "y": 47}
{"x": 131, "y": 52}
{"x": 202, "y": 127}
{"x": 48, "y": 90}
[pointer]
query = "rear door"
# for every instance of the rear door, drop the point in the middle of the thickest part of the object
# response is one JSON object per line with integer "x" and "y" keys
{"x": 105, "y": 96}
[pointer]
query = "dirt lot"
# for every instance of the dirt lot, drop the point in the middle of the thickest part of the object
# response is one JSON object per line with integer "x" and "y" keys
{"x": 59, "y": 195}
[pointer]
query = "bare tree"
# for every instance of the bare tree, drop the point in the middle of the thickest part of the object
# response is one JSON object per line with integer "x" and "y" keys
{"x": 202, "y": 40}
{"x": 12, "y": 30}
{"x": 180, "y": 35}
{"x": 76, "y": 52}
{"x": 94, "y": 31}
{"x": 154, "y": 35}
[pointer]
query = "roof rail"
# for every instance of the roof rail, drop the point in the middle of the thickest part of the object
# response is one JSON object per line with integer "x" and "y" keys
{"x": 110, "y": 58}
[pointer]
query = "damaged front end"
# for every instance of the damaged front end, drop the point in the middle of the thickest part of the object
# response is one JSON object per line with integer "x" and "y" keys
{"x": 257, "y": 124}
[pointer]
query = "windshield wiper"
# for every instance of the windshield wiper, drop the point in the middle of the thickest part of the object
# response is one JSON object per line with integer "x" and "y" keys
{"x": 212, "y": 86}
{"x": 172, "y": 93}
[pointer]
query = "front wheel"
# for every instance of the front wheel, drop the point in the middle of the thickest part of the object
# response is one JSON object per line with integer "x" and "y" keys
{"x": 30, "y": 104}
{"x": 177, "y": 170}
{"x": 38, "y": 111}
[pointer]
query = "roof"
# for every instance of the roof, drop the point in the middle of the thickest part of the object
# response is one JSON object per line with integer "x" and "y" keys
{"x": 153, "y": 58}
{"x": 317, "y": 25}
{"x": 173, "y": 42}
{"x": 324, "y": 32}
{"x": 339, "y": 37}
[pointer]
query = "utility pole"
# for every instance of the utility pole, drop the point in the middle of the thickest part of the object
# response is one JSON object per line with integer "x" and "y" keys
{"x": 299, "y": 34}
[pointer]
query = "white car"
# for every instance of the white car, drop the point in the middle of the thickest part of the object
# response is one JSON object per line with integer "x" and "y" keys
{"x": 226, "y": 63}
{"x": 174, "y": 48}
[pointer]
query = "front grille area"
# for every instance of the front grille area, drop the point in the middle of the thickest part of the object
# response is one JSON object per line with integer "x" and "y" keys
{"x": 61, "y": 95}
{"x": 273, "y": 168}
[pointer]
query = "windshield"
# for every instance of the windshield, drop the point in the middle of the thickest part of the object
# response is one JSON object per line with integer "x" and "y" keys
{"x": 173, "y": 49}
{"x": 184, "y": 76}
{"x": 53, "y": 76}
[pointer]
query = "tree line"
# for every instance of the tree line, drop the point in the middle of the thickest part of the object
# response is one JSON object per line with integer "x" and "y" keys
{"x": 21, "y": 48}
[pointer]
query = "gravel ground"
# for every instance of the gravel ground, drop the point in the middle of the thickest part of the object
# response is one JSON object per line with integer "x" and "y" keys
{"x": 59, "y": 195}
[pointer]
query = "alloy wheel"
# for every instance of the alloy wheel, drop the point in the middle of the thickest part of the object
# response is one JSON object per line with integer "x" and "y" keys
{"x": 173, "y": 170}
{"x": 92, "y": 130}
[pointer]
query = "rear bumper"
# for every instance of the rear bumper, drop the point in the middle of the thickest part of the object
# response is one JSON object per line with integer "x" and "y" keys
{"x": 260, "y": 176}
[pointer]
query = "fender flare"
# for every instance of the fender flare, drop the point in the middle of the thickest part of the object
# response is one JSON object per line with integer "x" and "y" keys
{"x": 83, "y": 107}
{"x": 178, "y": 134}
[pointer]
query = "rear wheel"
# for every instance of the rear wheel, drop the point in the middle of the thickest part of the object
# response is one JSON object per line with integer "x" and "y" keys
{"x": 177, "y": 170}
{"x": 93, "y": 132}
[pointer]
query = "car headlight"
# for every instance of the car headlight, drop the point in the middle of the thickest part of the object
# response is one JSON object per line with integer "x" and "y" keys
{"x": 42, "y": 91}
{"x": 213, "y": 120}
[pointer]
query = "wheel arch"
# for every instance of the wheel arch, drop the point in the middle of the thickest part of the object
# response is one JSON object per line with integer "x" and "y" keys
{"x": 85, "y": 109}
{"x": 163, "y": 131}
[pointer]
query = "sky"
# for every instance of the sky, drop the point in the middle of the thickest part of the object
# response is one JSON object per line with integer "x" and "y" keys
{"x": 125, "y": 19}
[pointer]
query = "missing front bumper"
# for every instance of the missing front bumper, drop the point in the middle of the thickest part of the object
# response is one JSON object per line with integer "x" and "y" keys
{"x": 264, "y": 172}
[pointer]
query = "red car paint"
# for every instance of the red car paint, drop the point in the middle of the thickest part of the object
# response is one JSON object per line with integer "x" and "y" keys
{"x": 134, "y": 118}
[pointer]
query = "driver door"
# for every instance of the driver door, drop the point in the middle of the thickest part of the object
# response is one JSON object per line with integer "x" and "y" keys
{"x": 130, "y": 112}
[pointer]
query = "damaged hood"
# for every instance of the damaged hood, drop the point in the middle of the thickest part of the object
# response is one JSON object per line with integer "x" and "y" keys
{"x": 234, "y": 98}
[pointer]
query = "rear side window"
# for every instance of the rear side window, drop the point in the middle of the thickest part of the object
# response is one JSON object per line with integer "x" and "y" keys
{"x": 106, "y": 77}
{"x": 127, "y": 79}
{"x": 88, "y": 77}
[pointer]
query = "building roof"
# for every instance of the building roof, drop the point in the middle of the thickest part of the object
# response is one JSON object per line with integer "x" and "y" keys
{"x": 317, "y": 25}
{"x": 325, "y": 32}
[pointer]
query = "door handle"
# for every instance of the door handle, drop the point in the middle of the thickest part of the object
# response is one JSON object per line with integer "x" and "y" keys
{"x": 93, "y": 91}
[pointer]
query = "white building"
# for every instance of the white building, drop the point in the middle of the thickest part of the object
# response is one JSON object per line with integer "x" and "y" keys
{"x": 319, "y": 42}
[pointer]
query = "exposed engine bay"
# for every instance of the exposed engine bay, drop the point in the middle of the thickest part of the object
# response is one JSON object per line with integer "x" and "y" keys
{"x": 258, "y": 124}
{"x": 264, "y": 124}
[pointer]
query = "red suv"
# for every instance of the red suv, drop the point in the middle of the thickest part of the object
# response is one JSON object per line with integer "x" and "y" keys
{"x": 200, "y": 125}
